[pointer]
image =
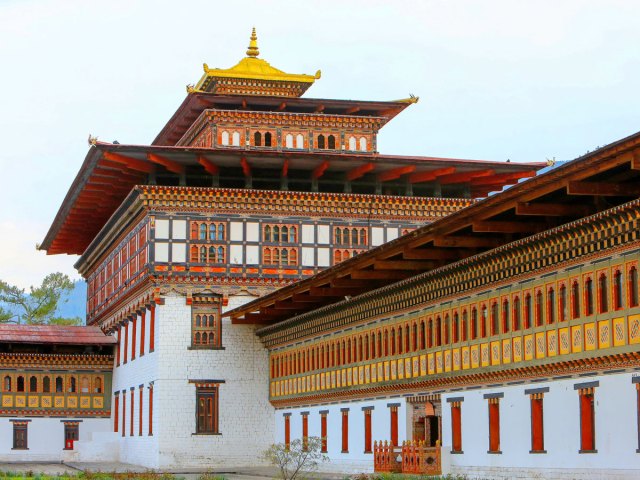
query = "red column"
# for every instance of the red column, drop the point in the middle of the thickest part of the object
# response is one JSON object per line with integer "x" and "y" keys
{"x": 133, "y": 335}
{"x": 119, "y": 331}
{"x": 494, "y": 425}
{"x": 116, "y": 412}
{"x": 586, "y": 421}
{"x": 287, "y": 430}
{"x": 126, "y": 341}
{"x": 305, "y": 431}
{"x": 151, "y": 409}
{"x": 141, "y": 390}
{"x": 345, "y": 430}
{"x": 124, "y": 412}
{"x": 537, "y": 436}
{"x": 131, "y": 419}
{"x": 152, "y": 328}
{"x": 394, "y": 425}
{"x": 367, "y": 431}
{"x": 323, "y": 430}
{"x": 456, "y": 426}
{"x": 142, "y": 330}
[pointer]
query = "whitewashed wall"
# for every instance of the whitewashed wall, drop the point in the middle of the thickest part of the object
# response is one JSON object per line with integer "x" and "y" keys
{"x": 45, "y": 438}
{"x": 355, "y": 460}
{"x": 616, "y": 432}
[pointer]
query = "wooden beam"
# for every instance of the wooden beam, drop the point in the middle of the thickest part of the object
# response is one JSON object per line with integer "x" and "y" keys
{"x": 509, "y": 227}
{"x": 435, "y": 254}
{"x": 287, "y": 305}
{"x": 170, "y": 165}
{"x": 604, "y": 189}
{"x": 319, "y": 109}
{"x": 359, "y": 171}
{"x": 333, "y": 292}
{"x": 462, "y": 241}
{"x": 380, "y": 274}
{"x": 552, "y": 209}
{"x": 210, "y": 167}
{"x": 352, "y": 110}
{"x": 635, "y": 160}
{"x": 320, "y": 169}
{"x": 349, "y": 283}
{"x": 252, "y": 319}
{"x": 132, "y": 163}
{"x": 307, "y": 298}
{"x": 395, "y": 173}
{"x": 502, "y": 178}
{"x": 285, "y": 168}
{"x": 282, "y": 106}
{"x": 431, "y": 175}
{"x": 464, "y": 177}
{"x": 405, "y": 265}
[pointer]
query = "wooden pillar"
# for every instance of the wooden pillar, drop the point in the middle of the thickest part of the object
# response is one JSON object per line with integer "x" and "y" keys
{"x": 132, "y": 410}
{"x": 345, "y": 430}
{"x": 134, "y": 324}
{"x": 140, "y": 409}
{"x": 142, "y": 330}
{"x": 116, "y": 411}
{"x": 152, "y": 328}
{"x": 151, "y": 409}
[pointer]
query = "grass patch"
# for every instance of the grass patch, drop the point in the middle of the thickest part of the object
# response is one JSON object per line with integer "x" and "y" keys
{"x": 31, "y": 475}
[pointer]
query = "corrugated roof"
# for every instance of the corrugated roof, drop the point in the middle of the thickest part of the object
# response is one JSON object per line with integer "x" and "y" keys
{"x": 54, "y": 334}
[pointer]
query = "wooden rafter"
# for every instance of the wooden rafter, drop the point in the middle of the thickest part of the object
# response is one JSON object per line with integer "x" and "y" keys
{"x": 431, "y": 175}
{"x": 131, "y": 163}
{"x": 604, "y": 189}
{"x": 395, "y": 173}
{"x": 553, "y": 209}
{"x": 359, "y": 171}
{"x": 509, "y": 227}
{"x": 320, "y": 169}
{"x": 170, "y": 165}
{"x": 210, "y": 167}
{"x": 465, "y": 177}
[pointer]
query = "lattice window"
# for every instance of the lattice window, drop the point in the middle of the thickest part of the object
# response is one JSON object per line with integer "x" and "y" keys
{"x": 277, "y": 233}
{"x": 281, "y": 256}
{"x": 208, "y": 231}
{"x": 207, "y": 253}
{"x": 350, "y": 235}
{"x": 206, "y": 327}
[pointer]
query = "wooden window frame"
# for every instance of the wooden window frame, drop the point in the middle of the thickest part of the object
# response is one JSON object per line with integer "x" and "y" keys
{"x": 198, "y": 332}
{"x": 20, "y": 426}
{"x": 207, "y": 414}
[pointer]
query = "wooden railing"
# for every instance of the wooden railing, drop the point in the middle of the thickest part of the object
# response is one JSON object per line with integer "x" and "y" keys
{"x": 416, "y": 458}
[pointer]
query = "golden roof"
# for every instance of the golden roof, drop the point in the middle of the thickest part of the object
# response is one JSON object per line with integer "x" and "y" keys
{"x": 253, "y": 76}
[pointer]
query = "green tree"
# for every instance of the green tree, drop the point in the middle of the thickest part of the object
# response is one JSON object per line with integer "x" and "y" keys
{"x": 296, "y": 458}
{"x": 38, "y": 306}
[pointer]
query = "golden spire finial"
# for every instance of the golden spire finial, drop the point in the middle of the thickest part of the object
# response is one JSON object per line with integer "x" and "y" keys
{"x": 253, "y": 51}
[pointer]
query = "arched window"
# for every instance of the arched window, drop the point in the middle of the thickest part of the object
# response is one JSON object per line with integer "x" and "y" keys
{"x": 455, "y": 335}
{"x": 337, "y": 256}
{"x": 516, "y": 314}
{"x": 276, "y": 233}
{"x": 84, "y": 384}
{"x": 204, "y": 338}
{"x": 267, "y": 140}
{"x": 474, "y": 323}
{"x": 212, "y": 254}
{"x": 429, "y": 333}
{"x": 632, "y": 287}
{"x": 212, "y": 231}
{"x": 284, "y": 256}
{"x": 363, "y": 144}
{"x": 386, "y": 343}
{"x": 194, "y": 253}
{"x": 551, "y": 306}
{"x": 588, "y": 296}
{"x": 288, "y": 141}
{"x": 539, "y": 309}
{"x": 211, "y": 338}
{"x": 332, "y": 142}
{"x": 617, "y": 290}
{"x": 393, "y": 341}
{"x": 354, "y": 236}
{"x": 321, "y": 143}
{"x": 603, "y": 293}
{"x": 257, "y": 139}
{"x": 293, "y": 257}
{"x": 198, "y": 321}
{"x": 447, "y": 327}
{"x": 366, "y": 347}
{"x": 20, "y": 384}
{"x": 225, "y": 138}
{"x": 276, "y": 256}
{"x": 267, "y": 255}
{"x": 483, "y": 321}
{"x": 379, "y": 345}
{"x": 506, "y": 327}
{"x": 400, "y": 343}
{"x": 438, "y": 332}
{"x": 299, "y": 141}
{"x": 292, "y": 234}
{"x": 59, "y": 386}
{"x": 203, "y": 231}
{"x": 562, "y": 308}
{"x": 575, "y": 299}
{"x": 423, "y": 335}
{"x": 363, "y": 236}
{"x": 345, "y": 236}
{"x": 194, "y": 234}
{"x": 465, "y": 325}
{"x": 72, "y": 385}
{"x": 203, "y": 254}
{"x": 407, "y": 339}
{"x": 97, "y": 385}
{"x": 6, "y": 385}
{"x": 495, "y": 327}
{"x": 352, "y": 143}
{"x": 284, "y": 234}
{"x": 528, "y": 311}
{"x": 235, "y": 139}
{"x": 220, "y": 231}
{"x": 220, "y": 254}
{"x": 33, "y": 384}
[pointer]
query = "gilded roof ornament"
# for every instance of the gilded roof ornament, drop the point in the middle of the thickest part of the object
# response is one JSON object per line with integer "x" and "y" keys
{"x": 253, "y": 76}
{"x": 253, "y": 51}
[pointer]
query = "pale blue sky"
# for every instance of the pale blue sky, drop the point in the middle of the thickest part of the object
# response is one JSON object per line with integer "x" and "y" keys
{"x": 524, "y": 80}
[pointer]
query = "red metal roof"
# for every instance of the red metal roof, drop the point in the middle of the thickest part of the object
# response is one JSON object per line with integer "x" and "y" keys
{"x": 54, "y": 334}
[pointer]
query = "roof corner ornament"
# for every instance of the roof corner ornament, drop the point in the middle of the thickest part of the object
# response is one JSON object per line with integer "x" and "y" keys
{"x": 205, "y": 67}
{"x": 318, "y": 74}
{"x": 551, "y": 161}
{"x": 92, "y": 140}
{"x": 253, "y": 51}
{"x": 190, "y": 88}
